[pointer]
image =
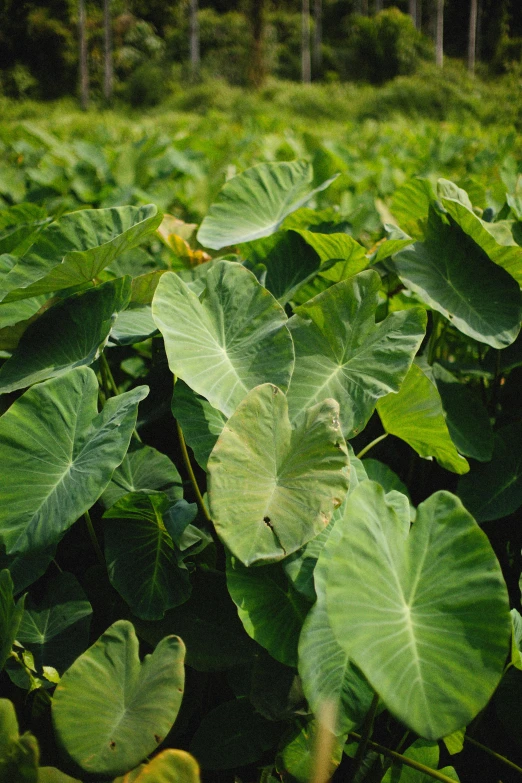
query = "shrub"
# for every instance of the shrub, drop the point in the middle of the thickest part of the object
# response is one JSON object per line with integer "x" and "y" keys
{"x": 382, "y": 46}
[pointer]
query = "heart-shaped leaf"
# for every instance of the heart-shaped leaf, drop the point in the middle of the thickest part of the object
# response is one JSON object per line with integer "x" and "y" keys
{"x": 56, "y": 629}
{"x": 226, "y": 341}
{"x": 70, "y": 334}
{"x": 74, "y": 249}
{"x": 455, "y": 276}
{"x": 127, "y": 708}
{"x": 403, "y": 605}
{"x": 415, "y": 415}
{"x": 143, "y": 563}
{"x": 289, "y": 481}
{"x": 59, "y": 453}
{"x": 144, "y": 469}
{"x": 254, "y": 203}
{"x": 342, "y": 353}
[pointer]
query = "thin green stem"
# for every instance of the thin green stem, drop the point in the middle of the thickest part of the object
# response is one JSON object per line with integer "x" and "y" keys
{"x": 57, "y": 565}
{"x": 366, "y": 733}
{"x": 497, "y": 756}
{"x": 94, "y": 540}
{"x": 432, "y": 773}
{"x": 398, "y": 749}
{"x": 373, "y": 443}
{"x": 190, "y": 471}
{"x": 106, "y": 370}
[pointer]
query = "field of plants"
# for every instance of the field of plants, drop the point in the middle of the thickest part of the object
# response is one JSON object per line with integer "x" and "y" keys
{"x": 261, "y": 418}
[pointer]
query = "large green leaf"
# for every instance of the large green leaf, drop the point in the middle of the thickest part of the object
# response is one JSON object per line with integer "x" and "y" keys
{"x": 127, "y": 708}
{"x": 342, "y": 353}
{"x": 59, "y": 454}
{"x": 133, "y": 325}
{"x": 496, "y": 239}
{"x": 10, "y": 616}
{"x": 410, "y": 204}
{"x": 74, "y": 249}
{"x": 254, "y": 203}
{"x": 200, "y": 422}
{"x": 327, "y": 674}
{"x": 494, "y": 490}
{"x": 230, "y": 339}
{"x": 424, "y": 613}
{"x": 70, "y": 334}
{"x": 56, "y": 629}
{"x": 19, "y": 225}
{"x": 271, "y": 610}
{"x": 415, "y": 415}
{"x": 143, "y": 563}
{"x": 143, "y": 469}
{"x": 467, "y": 418}
{"x": 289, "y": 481}
{"x": 455, "y": 276}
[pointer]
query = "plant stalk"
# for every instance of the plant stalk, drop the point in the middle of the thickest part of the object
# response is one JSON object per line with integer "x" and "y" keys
{"x": 497, "y": 756}
{"x": 366, "y": 733}
{"x": 94, "y": 540}
{"x": 190, "y": 471}
{"x": 432, "y": 773}
{"x": 370, "y": 445}
{"x": 106, "y": 372}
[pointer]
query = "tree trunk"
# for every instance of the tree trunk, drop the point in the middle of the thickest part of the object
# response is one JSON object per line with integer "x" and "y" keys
{"x": 84, "y": 68}
{"x": 318, "y": 37}
{"x": 257, "y": 61}
{"x": 194, "y": 38}
{"x": 378, "y": 6}
{"x": 439, "y": 34}
{"x": 306, "y": 69}
{"x": 412, "y": 10}
{"x": 472, "y": 41}
{"x": 362, "y": 7}
{"x": 108, "y": 69}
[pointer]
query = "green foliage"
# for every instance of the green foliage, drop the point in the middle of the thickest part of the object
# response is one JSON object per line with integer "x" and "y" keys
{"x": 300, "y": 578}
{"x": 383, "y": 46}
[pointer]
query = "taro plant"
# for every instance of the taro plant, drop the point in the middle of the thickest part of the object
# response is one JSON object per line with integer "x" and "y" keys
{"x": 184, "y": 470}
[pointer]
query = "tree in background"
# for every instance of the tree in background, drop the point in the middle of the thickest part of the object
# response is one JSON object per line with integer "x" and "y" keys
{"x": 108, "y": 75}
{"x": 472, "y": 42}
{"x": 318, "y": 37}
{"x": 257, "y": 67}
{"x": 439, "y": 34}
{"x": 306, "y": 68}
{"x": 194, "y": 38}
{"x": 84, "y": 66}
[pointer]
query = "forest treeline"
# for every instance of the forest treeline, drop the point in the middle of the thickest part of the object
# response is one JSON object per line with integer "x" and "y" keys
{"x": 134, "y": 48}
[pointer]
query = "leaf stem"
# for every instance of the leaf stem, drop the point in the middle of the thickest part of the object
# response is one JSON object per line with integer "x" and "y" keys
{"x": 432, "y": 773}
{"x": 370, "y": 445}
{"x": 106, "y": 371}
{"x": 94, "y": 540}
{"x": 190, "y": 471}
{"x": 366, "y": 733}
{"x": 497, "y": 756}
